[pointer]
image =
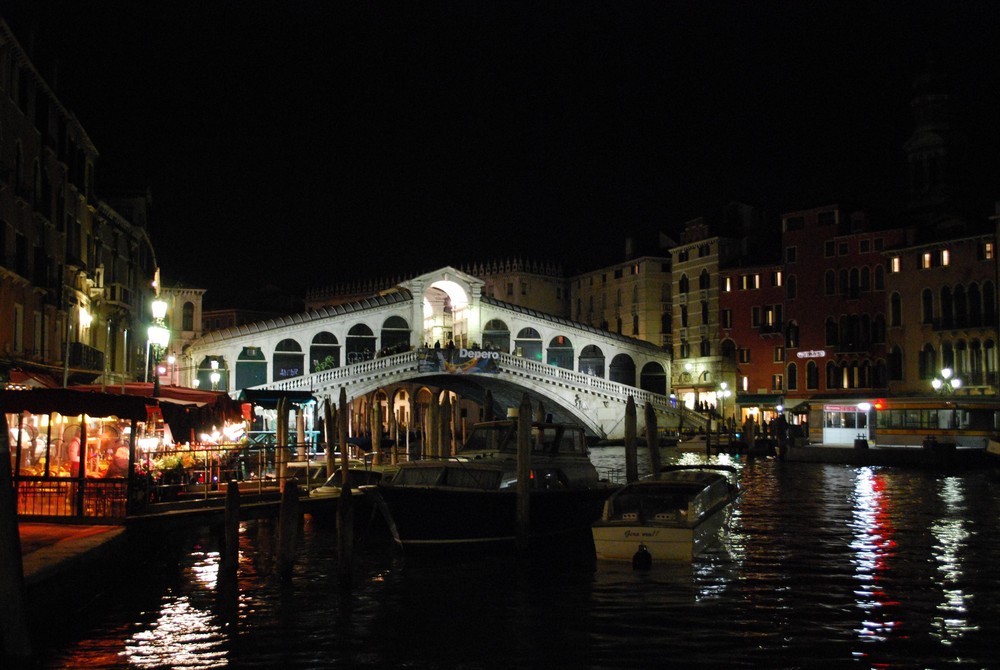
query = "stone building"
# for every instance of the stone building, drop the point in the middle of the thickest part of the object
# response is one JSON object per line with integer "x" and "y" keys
{"x": 74, "y": 272}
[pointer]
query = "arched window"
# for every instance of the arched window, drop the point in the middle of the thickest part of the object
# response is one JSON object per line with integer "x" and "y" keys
{"x": 928, "y": 362}
{"x": 360, "y": 344}
{"x": 947, "y": 308}
{"x": 895, "y": 310}
{"x": 896, "y": 364}
{"x": 395, "y": 336}
{"x": 812, "y": 376}
{"x": 704, "y": 312}
{"x": 961, "y": 307}
{"x": 830, "y": 282}
{"x": 560, "y": 352}
{"x": 187, "y": 317}
{"x": 706, "y": 347}
{"x": 288, "y": 360}
{"x": 866, "y": 279}
{"x": 703, "y": 280}
{"x": 879, "y": 278}
{"x": 682, "y": 285}
{"x": 975, "y": 306}
{"x": 791, "y": 375}
{"x": 831, "y": 332}
{"x": 592, "y": 361}
{"x": 927, "y": 305}
{"x": 496, "y": 335}
{"x": 324, "y": 352}
{"x": 831, "y": 375}
{"x": 792, "y": 335}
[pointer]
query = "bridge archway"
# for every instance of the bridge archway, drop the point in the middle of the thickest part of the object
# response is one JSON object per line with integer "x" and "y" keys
{"x": 623, "y": 370}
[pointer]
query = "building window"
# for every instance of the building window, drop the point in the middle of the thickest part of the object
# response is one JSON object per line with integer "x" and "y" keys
{"x": 776, "y": 279}
{"x": 812, "y": 376}
{"x": 727, "y": 284}
{"x": 510, "y": 288}
{"x": 683, "y": 284}
{"x": 925, "y": 260}
{"x": 894, "y": 265}
{"x": 828, "y": 248}
{"x": 829, "y": 282}
{"x": 777, "y": 383}
{"x": 790, "y": 255}
{"x": 895, "y": 310}
{"x": 988, "y": 251}
{"x": 779, "y": 354}
{"x": 790, "y": 287}
{"x": 755, "y": 317}
{"x": 744, "y": 355}
{"x": 793, "y": 382}
{"x": 706, "y": 347}
{"x": 864, "y": 246}
{"x": 842, "y": 249}
{"x": 945, "y": 257}
{"x": 635, "y": 324}
{"x": 727, "y": 318}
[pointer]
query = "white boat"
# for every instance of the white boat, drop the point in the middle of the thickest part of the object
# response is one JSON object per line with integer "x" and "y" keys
{"x": 675, "y": 514}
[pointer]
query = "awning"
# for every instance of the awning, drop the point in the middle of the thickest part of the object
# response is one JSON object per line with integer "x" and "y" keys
{"x": 187, "y": 411}
{"x": 32, "y": 379}
{"x": 268, "y": 399}
{"x": 758, "y": 398}
{"x": 69, "y": 402}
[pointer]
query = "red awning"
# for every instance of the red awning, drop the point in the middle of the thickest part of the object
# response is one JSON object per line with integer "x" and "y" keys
{"x": 33, "y": 379}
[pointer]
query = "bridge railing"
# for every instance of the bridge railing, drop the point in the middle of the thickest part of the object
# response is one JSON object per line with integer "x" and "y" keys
{"x": 407, "y": 362}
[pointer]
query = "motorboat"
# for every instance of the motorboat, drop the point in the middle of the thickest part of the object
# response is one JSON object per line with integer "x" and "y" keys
{"x": 674, "y": 514}
{"x": 359, "y": 473}
{"x": 471, "y": 499}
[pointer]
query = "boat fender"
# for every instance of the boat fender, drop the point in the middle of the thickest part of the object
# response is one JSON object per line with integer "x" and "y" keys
{"x": 642, "y": 559}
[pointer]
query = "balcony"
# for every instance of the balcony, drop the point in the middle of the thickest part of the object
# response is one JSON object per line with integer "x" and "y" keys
{"x": 85, "y": 357}
{"x": 120, "y": 295}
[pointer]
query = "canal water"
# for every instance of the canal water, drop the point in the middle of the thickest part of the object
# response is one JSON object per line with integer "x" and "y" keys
{"x": 826, "y": 566}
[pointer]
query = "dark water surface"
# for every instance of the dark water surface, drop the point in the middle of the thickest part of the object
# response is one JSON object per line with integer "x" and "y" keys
{"x": 826, "y": 566}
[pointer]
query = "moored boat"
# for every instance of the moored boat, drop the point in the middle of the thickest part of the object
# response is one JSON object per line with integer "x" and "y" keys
{"x": 675, "y": 514}
{"x": 471, "y": 499}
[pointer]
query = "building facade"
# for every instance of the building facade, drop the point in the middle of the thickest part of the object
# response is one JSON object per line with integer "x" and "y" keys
{"x": 74, "y": 273}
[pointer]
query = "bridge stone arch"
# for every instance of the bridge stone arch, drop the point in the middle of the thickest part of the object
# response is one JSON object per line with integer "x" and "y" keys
{"x": 590, "y": 384}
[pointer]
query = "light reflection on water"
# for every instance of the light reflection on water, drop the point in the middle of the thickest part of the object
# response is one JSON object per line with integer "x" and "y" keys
{"x": 827, "y": 565}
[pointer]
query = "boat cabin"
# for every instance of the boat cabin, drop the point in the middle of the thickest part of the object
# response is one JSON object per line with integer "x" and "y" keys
{"x": 672, "y": 498}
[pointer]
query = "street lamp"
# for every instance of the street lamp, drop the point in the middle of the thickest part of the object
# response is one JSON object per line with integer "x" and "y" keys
{"x": 159, "y": 337}
{"x": 214, "y": 376}
{"x": 724, "y": 393}
{"x": 947, "y": 383}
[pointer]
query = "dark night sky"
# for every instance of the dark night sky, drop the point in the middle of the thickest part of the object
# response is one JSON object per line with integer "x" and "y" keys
{"x": 306, "y": 142}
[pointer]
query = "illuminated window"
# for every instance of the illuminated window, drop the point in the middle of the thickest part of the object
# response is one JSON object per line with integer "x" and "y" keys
{"x": 945, "y": 257}
{"x": 925, "y": 260}
{"x": 727, "y": 284}
{"x": 988, "y": 251}
{"x": 894, "y": 264}
{"x": 776, "y": 279}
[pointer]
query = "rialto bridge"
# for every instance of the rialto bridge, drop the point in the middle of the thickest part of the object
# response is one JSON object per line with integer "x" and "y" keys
{"x": 437, "y": 332}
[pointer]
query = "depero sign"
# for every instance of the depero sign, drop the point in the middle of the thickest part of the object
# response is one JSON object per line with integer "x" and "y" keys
{"x": 459, "y": 361}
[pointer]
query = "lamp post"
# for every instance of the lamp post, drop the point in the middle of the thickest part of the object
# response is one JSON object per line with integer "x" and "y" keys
{"x": 947, "y": 382}
{"x": 215, "y": 376}
{"x": 724, "y": 393}
{"x": 159, "y": 337}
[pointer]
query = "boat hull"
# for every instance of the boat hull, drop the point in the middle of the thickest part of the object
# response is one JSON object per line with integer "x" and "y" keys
{"x": 619, "y": 541}
{"x": 436, "y": 517}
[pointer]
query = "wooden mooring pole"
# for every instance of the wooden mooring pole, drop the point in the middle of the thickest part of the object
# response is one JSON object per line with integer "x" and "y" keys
{"x": 652, "y": 438}
{"x": 288, "y": 530}
{"x": 631, "y": 456}
{"x": 16, "y": 642}
{"x": 231, "y": 546}
{"x": 345, "y": 508}
{"x": 524, "y": 474}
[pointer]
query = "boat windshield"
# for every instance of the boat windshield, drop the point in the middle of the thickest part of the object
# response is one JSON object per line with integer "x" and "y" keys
{"x": 548, "y": 438}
